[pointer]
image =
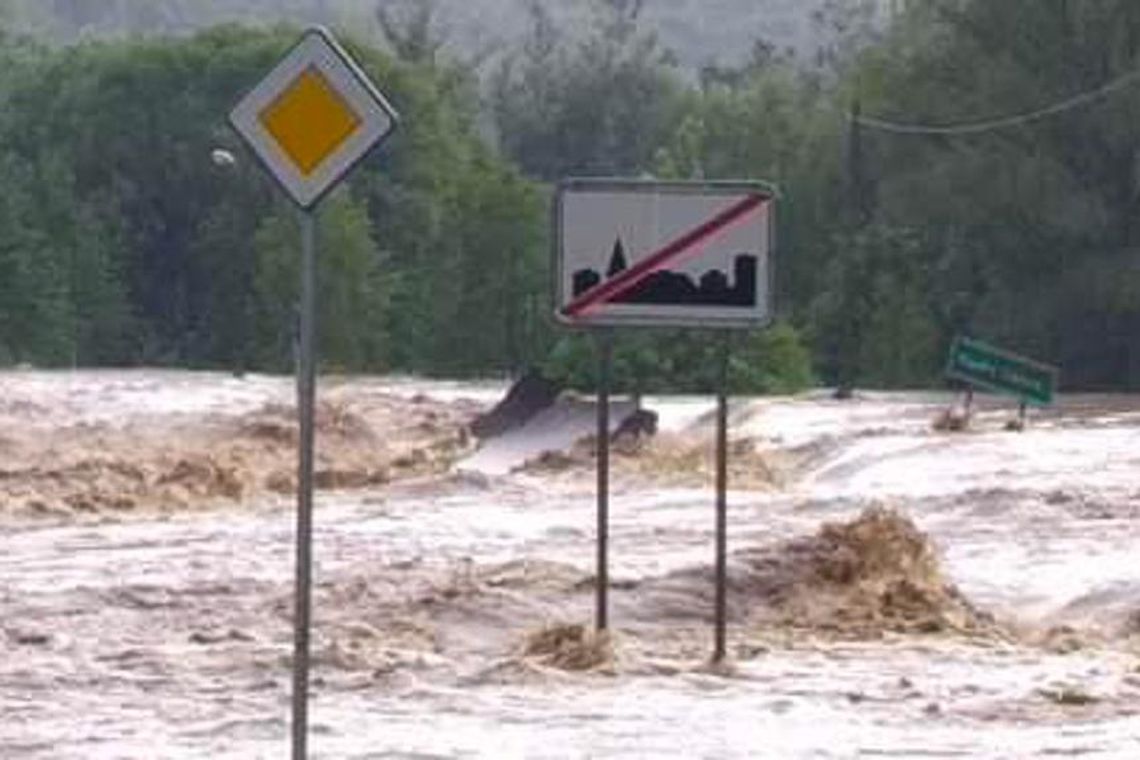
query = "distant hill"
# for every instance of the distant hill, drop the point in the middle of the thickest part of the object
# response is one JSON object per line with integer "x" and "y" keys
{"x": 698, "y": 31}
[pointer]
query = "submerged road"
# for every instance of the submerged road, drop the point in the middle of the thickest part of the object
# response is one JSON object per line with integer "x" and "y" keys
{"x": 171, "y": 637}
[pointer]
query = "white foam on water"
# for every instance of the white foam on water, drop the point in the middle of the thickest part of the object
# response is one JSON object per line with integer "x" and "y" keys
{"x": 1039, "y": 526}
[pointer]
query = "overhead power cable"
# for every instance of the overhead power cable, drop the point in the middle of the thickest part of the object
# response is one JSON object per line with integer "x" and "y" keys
{"x": 1004, "y": 122}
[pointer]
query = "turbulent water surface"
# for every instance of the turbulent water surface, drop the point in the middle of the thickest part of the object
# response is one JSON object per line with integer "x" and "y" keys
{"x": 166, "y": 633}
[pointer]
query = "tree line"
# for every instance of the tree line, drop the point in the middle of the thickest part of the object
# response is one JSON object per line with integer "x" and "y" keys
{"x": 911, "y": 209}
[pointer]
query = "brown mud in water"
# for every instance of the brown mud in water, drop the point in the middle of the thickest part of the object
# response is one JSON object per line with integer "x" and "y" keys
{"x": 453, "y": 615}
{"x": 190, "y": 462}
{"x": 876, "y": 573}
{"x": 507, "y": 622}
{"x": 671, "y": 460}
{"x": 861, "y": 579}
{"x": 570, "y": 647}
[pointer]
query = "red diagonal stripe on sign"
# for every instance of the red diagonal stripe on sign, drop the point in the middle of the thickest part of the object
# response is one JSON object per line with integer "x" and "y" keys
{"x": 687, "y": 243}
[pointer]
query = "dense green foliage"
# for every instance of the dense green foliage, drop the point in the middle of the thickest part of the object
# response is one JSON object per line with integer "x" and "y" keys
{"x": 120, "y": 242}
{"x": 123, "y": 242}
{"x": 771, "y": 361}
{"x": 1029, "y": 232}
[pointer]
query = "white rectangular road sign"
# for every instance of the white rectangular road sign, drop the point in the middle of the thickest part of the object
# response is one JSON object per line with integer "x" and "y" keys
{"x": 313, "y": 117}
{"x": 686, "y": 254}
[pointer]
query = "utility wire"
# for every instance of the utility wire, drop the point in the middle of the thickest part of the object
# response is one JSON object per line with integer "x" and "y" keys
{"x": 1077, "y": 101}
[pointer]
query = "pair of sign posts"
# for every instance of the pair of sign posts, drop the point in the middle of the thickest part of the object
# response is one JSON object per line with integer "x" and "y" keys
{"x": 659, "y": 254}
{"x": 981, "y": 365}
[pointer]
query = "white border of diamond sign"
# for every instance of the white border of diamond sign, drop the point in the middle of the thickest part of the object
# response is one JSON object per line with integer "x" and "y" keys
{"x": 669, "y": 254}
{"x": 316, "y": 49}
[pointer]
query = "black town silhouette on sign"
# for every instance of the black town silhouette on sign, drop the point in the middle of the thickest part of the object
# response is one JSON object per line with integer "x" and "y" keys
{"x": 669, "y": 288}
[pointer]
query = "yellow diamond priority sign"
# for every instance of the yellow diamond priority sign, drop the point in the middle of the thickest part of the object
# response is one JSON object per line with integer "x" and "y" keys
{"x": 313, "y": 117}
{"x": 310, "y": 121}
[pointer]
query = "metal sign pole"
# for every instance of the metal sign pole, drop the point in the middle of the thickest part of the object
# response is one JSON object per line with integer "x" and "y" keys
{"x": 308, "y": 144}
{"x": 630, "y": 253}
{"x": 306, "y": 392}
{"x": 605, "y": 355}
{"x": 722, "y": 504}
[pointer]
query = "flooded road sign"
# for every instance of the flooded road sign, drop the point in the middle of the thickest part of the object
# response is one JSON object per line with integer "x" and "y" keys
{"x": 994, "y": 369}
{"x": 310, "y": 120}
{"x": 668, "y": 254}
{"x": 313, "y": 117}
{"x": 682, "y": 254}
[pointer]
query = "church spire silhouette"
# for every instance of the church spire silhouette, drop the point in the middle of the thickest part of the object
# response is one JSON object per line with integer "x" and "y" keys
{"x": 617, "y": 260}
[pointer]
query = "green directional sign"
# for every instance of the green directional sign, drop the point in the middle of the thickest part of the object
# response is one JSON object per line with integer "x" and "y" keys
{"x": 991, "y": 368}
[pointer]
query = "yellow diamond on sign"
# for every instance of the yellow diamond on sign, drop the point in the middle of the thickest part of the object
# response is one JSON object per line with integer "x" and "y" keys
{"x": 309, "y": 120}
{"x": 313, "y": 117}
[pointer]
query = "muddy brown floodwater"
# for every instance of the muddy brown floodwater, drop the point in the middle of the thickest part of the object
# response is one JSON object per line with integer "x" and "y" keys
{"x": 895, "y": 592}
